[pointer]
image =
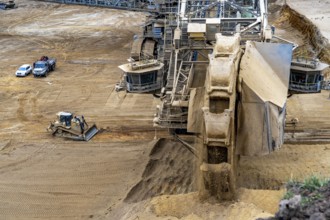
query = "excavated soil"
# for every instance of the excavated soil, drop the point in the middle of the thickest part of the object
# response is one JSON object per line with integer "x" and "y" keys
{"x": 170, "y": 170}
{"x": 303, "y": 30}
{"x": 311, "y": 33}
{"x": 46, "y": 178}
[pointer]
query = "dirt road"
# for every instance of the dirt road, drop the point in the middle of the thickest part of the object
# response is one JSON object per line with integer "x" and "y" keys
{"x": 46, "y": 178}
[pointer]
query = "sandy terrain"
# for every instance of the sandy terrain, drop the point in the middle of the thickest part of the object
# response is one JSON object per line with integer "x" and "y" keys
{"x": 312, "y": 116}
{"x": 317, "y": 11}
{"x": 46, "y": 178}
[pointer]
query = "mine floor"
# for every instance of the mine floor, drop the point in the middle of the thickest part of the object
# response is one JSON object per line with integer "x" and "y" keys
{"x": 42, "y": 177}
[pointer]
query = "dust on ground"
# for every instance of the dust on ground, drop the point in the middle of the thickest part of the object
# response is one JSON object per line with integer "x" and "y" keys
{"x": 47, "y": 178}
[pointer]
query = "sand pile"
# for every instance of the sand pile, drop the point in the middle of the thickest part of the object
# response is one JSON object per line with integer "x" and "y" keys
{"x": 169, "y": 171}
{"x": 190, "y": 206}
{"x": 309, "y": 31}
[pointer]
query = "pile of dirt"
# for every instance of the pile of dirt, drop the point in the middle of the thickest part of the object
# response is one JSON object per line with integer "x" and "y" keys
{"x": 310, "y": 32}
{"x": 308, "y": 200}
{"x": 169, "y": 171}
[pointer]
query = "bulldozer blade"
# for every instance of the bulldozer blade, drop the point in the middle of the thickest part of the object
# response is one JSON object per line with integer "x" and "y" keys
{"x": 92, "y": 131}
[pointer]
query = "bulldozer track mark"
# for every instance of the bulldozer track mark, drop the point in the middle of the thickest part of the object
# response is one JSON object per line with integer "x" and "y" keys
{"x": 20, "y": 111}
{"x": 22, "y": 162}
{"x": 121, "y": 99}
{"x": 5, "y": 149}
{"x": 87, "y": 92}
{"x": 59, "y": 93}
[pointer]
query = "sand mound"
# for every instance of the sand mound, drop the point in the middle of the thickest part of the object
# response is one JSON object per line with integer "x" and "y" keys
{"x": 310, "y": 31}
{"x": 188, "y": 205}
{"x": 169, "y": 171}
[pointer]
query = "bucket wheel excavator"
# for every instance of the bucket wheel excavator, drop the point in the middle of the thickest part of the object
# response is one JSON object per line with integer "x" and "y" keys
{"x": 222, "y": 77}
{"x": 73, "y": 127}
{"x": 241, "y": 106}
{"x": 226, "y": 83}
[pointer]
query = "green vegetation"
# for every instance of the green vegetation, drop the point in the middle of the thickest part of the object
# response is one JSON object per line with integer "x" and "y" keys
{"x": 288, "y": 195}
{"x": 308, "y": 189}
{"x": 312, "y": 183}
{"x": 307, "y": 200}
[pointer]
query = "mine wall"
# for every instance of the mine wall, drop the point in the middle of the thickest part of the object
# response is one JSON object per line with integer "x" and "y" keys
{"x": 310, "y": 31}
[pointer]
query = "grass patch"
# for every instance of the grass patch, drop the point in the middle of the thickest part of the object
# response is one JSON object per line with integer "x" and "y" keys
{"x": 288, "y": 195}
{"x": 308, "y": 189}
{"x": 312, "y": 183}
{"x": 307, "y": 200}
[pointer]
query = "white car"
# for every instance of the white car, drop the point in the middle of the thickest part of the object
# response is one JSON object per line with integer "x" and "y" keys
{"x": 24, "y": 70}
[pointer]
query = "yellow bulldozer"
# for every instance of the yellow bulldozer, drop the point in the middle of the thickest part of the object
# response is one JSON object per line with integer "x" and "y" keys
{"x": 74, "y": 127}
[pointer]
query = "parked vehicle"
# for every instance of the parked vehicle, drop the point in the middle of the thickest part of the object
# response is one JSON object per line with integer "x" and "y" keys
{"x": 43, "y": 66}
{"x": 24, "y": 70}
{"x": 7, "y": 5}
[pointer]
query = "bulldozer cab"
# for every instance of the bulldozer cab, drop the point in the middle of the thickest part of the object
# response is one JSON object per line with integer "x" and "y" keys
{"x": 65, "y": 117}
